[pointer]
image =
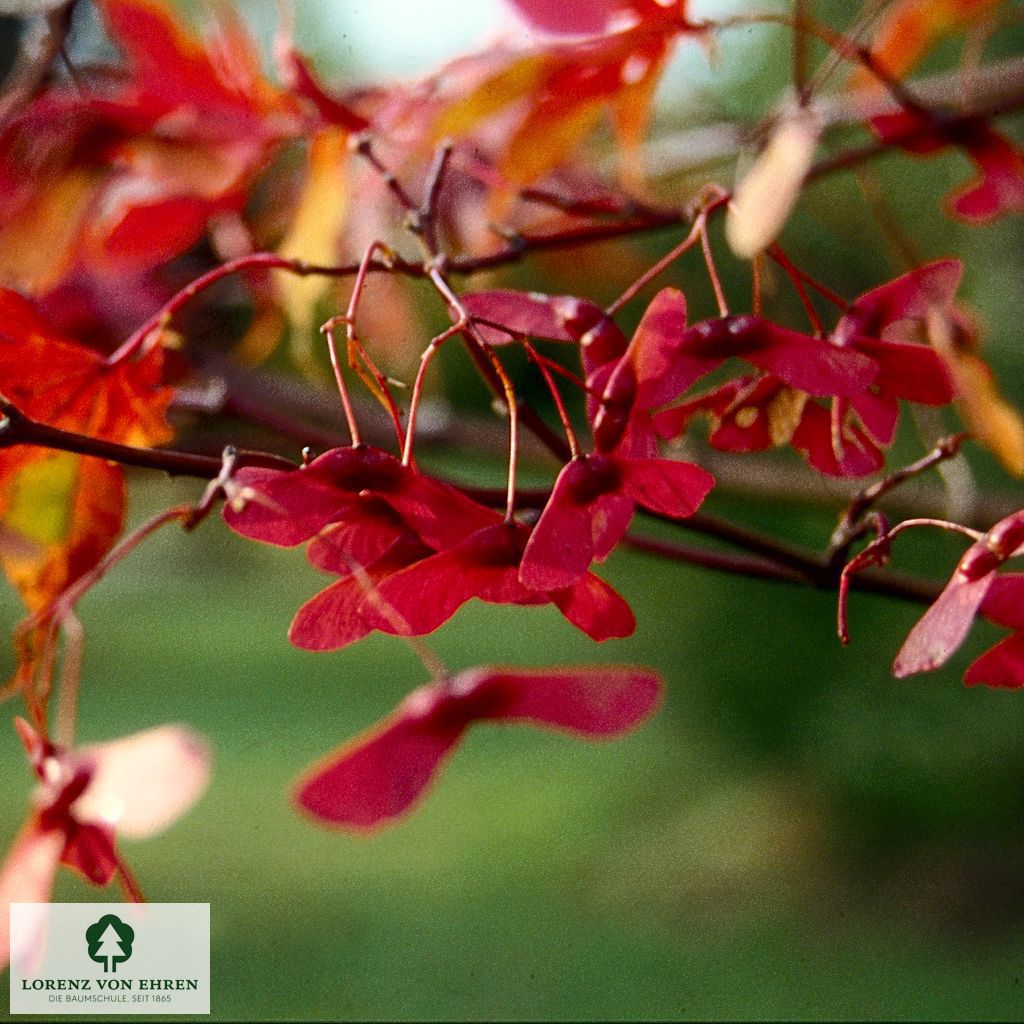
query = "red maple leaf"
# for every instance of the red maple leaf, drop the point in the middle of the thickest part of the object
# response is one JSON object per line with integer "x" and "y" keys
{"x": 997, "y": 189}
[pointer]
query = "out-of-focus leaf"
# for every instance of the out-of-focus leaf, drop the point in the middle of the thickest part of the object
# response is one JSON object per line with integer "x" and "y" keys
{"x": 319, "y": 218}
{"x": 994, "y": 422}
{"x": 119, "y": 178}
{"x": 72, "y": 507}
{"x": 910, "y": 28}
{"x": 69, "y": 508}
{"x": 547, "y": 138}
{"x": 55, "y": 213}
{"x": 766, "y": 195}
{"x": 516, "y": 80}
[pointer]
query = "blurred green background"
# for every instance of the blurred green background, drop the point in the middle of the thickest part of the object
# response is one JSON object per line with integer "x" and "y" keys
{"x": 796, "y": 834}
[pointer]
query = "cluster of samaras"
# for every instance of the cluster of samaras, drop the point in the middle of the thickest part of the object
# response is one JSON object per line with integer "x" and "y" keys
{"x": 111, "y": 184}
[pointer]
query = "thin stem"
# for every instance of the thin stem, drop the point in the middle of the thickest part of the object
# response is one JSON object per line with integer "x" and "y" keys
{"x": 435, "y": 667}
{"x": 36, "y": 637}
{"x": 363, "y": 145}
{"x": 70, "y": 675}
{"x": 417, "y": 389}
{"x": 346, "y": 400}
{"x": 777, "y": 253}
{"x": 252, "y": 261}
{"x": 558, "y": 368}
{"x": 716, "y": 282}
{"x": 563, "y": 415}
{"x": 129, "y": 883}
{"x": 903, "y": 247}
{"x": 375, "y": 381}
{"x": 837, "y": 42}
{"x": 511, "y": 402}
{"x": 526, "y": 243}
{"x": 426, "y": 223}
{"x": 805, "y": 300}
{"x": 855, "y": 34}
{"x": 800, "y": 54}
{"x": 878, "y": 552}
{"x": 757, "y": 283}
{"x": 668, "y": 259}
{"x": 842, "y": 536}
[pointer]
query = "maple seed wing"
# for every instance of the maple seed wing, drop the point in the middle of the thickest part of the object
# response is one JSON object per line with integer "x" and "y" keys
{"x": 579, "y": 18}
{"x": 27, "y": 877}
{"x": 657, "y": 352}
{"x": 571, "y": 532}
{"x": 1004, "y": 602}
{"x": 427, "y": 594}
{"x": 594, "y": 607}
{"x": 909, "y": 296}
{"x": 592, "y": 702}
{"x": 281, "y": 507}
{"x": 330, "y": 620}
{"x": 811, "y": 365}
{"x": 528, "y": 314}
{"x": 942, "y": 628}
{"x": 1003, "y": 665}
{"x": 914, "y": 372}
{"x": 142, "y": 783}
{"x": 666, "y": 486}
{"x": 379, "y": 776}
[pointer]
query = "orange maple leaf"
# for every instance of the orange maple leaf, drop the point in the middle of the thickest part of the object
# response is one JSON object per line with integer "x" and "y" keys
{"x": 68, "y": 509}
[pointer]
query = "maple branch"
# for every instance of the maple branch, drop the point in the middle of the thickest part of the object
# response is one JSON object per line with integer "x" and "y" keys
{"x": 996, "y": 90}
{"x": 305, "y": 412}
{"x": 848, "y": 529}
{"x": 251, "y": 261}
{"x": 772, "y": 559}
{"x": 363, "y": 145}
{"x": 40, "y": 47}
{"x": 721, "y": 561}
{"x": 18, "y": 429}
{"x": 817, "y": 575}
{"x": 425, "y": 221}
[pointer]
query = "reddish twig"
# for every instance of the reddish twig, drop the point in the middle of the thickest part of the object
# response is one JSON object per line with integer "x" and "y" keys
{"x": 18, "y": 429}
{"x": 848, "y": 530}
{"x": 789, "y": 561}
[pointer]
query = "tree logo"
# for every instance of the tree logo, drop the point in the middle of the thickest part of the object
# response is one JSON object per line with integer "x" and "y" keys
{"x": 110, "y": 942}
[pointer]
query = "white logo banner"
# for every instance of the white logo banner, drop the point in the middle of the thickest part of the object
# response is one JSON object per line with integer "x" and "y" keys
{"x": 115, "y": 958}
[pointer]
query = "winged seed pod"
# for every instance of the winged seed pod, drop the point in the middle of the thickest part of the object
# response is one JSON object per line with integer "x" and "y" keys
{"x": 765, "y": 197}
